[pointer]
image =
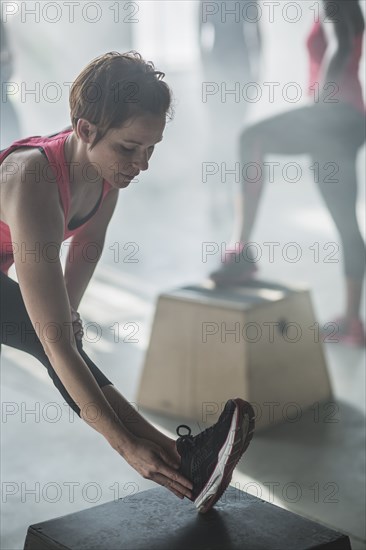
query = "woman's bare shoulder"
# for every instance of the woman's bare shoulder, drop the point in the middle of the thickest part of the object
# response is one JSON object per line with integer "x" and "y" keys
{"x": 27, "y": 180}
{"x": 22, "y": 162}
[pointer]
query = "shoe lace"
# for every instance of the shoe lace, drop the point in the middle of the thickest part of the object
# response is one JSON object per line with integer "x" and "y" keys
{"x": 197, "y": 439}
{"x": 186, "y": 428}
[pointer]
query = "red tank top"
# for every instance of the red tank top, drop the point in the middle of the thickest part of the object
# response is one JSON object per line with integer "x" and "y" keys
{"x": 53, "y": 148}
{"x": 350, "y": 89}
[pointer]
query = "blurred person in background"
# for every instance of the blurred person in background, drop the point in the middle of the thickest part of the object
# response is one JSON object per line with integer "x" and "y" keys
{"x": 9, "y": 123}
{"x": 230, "y": 47}
{"x": 67, "y": 185}
{"x": 330, "y": 130}
{"x": 230, "y": 40}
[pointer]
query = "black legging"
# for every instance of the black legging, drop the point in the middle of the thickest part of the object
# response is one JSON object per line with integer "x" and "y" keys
{"x": 331, "y": 134}
{"x": 17, "y": 331}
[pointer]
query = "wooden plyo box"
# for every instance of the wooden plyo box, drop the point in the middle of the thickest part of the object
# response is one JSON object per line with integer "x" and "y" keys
{"x": 259, "y": 342}
{"x": 158, "y": 520}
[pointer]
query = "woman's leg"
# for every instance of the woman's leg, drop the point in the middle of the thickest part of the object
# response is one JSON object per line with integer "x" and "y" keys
{"x": 17, "y": 331}
{"x": 297, "y": 132}
{"x": 286, "y": 134}
{"x": 340, "y": 197}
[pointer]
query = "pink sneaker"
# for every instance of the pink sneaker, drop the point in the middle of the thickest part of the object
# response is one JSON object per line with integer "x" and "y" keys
{"x": 350, "y": 332}
{"x": 238, "y": 267}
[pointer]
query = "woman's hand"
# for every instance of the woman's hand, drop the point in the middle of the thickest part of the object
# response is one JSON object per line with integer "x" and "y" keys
{"x": 77, "y": 324}
{"x": 152, "y": 462}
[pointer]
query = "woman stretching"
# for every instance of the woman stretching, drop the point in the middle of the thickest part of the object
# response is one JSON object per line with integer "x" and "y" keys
{"x": 67, "y": 185}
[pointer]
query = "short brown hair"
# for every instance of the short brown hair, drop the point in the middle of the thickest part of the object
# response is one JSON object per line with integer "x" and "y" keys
{"x": 115, "y": 87}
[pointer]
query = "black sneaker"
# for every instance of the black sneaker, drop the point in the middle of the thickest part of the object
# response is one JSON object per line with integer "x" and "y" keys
{"x": 209, "y": 458}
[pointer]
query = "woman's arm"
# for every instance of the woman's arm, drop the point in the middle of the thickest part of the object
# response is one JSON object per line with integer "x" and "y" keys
{"x": 36, "y": 222}
{"x": 86, "y": 249}
{"x": 34, "y": 215}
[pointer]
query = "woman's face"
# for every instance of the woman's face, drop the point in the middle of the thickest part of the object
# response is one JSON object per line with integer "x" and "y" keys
{"x": 125, "y": 151}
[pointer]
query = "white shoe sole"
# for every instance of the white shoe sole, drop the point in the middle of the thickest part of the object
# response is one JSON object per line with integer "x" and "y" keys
{"x": 217, "y": 475}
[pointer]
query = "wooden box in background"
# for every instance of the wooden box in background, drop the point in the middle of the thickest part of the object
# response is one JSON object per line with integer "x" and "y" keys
{"x": 259, "y": 342}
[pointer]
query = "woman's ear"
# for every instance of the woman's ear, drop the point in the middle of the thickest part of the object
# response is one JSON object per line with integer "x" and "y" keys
{"x": 86, "y": 131}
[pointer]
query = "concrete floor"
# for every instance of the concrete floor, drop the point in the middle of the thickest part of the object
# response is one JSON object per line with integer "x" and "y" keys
{"x": 52, "y": 464}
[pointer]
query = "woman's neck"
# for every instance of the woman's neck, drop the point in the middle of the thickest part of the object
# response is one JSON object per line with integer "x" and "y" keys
{"x": 76, "y": 155}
